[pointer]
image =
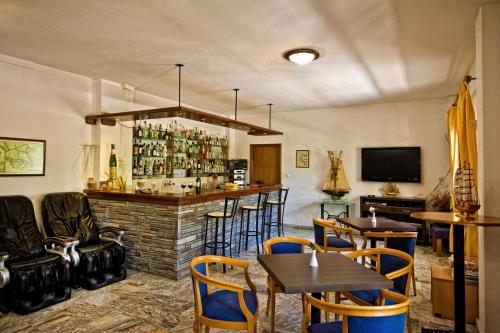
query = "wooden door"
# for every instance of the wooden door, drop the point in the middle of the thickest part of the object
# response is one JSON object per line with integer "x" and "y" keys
{"x": 265, "y": 163}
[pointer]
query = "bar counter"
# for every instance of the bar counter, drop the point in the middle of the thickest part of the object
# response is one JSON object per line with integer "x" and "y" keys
{"x": 164, "y": 232}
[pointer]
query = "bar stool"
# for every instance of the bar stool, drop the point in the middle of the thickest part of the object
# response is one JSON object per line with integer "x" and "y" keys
{"x": 260, "y": 207}
{"x": 280, "y": 205}
{"x": 230, "y": 205}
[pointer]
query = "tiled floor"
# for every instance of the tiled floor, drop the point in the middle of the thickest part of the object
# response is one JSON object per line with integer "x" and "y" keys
{"x": 146, "y": 302}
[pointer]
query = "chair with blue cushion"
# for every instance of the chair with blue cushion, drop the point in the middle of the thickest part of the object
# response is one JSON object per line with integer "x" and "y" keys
{"x": 395, "y": 265}
{"x": 388, "y": 317}
{"x": 333, "y": 241}
{"x": 328, "y": 236}
{"x": 282, "y": 245}
{"x": 221, "y": 304}
{"x": 403, "y": 241}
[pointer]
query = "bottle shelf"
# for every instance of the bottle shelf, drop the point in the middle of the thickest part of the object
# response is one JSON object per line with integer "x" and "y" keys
{"x": 176, "y": 149}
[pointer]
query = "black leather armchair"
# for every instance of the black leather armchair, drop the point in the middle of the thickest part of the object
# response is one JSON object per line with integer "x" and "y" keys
{"x": 34, "y": 273}
{"x": 101, "y": 252}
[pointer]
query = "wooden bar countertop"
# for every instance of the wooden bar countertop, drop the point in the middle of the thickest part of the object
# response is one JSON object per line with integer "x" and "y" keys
{"x": 178, "y": 199}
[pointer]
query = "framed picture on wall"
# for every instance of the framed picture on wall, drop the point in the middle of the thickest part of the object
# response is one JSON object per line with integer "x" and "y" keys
{"x": 302, "y": 159}
{"x": 22, "y": 157}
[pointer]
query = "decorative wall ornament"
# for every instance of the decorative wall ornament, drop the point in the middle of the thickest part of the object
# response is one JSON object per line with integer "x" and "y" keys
{"x": 22, "y": 157}
{"x": 302, "y": 159}
{"x": 336, "y": 183}
{"x": 390, "y": 190}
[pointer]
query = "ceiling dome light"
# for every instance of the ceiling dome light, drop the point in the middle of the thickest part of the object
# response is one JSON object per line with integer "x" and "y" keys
{"x": 301, "y": 56}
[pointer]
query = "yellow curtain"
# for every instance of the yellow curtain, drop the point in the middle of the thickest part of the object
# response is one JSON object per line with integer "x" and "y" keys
{"x": 462, "y": 132}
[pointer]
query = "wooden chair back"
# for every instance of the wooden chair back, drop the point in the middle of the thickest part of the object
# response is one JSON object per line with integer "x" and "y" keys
{"x": 289, "y": 245}
{"x": 321, "y": 228}
{"x": 390, "y": 318}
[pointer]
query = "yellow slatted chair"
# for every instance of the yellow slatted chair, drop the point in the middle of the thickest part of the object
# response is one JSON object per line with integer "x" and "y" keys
{"x": 403, "y": 241}
{"x": 328, "y": 235}
{"x": 395, "y": 265}
{"x": 221, "y": 304}
{"x": 280, "y": 245}
{"x": 388, "y": 317}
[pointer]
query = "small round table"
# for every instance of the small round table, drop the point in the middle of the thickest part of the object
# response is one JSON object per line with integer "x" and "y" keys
{"x": 458, "y": 247}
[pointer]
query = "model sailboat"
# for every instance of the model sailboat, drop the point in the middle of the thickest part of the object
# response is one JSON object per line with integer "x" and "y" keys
{"x": 465, "y": 192}
{"x": 336, "y": 184}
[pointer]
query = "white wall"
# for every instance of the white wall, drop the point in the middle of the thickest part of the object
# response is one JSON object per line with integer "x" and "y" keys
{"x": 39, "y": 102}
{"x": 488, "y": 101}
{"x": 418, "y": 123}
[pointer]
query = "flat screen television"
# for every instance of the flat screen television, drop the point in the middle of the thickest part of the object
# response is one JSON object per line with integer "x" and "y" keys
{"x": 391, "y": 164}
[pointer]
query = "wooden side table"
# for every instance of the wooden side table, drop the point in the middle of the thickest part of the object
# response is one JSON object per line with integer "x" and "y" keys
{"x": 442, "y": 295}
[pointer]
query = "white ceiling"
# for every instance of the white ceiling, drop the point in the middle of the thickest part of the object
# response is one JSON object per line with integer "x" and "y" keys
{"x": 371, "y": 50}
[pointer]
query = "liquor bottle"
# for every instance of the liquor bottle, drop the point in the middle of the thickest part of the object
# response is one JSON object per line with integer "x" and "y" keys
{"x": 145, "y": 130}
{"x": 140, "y": 171}
{"x": 161, "y": 134}
{"x": 134, "y": 168}
{"x": 139, "y": 131}
{"x": 198, "y": 183}
{"x": 134, "y": 130}
{"x": 136, "y": 148}
{"x": 112, "y": 164}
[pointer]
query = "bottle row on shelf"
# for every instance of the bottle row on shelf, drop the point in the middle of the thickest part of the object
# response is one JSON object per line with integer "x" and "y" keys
{"x": 159, "y": 149}
{"x": 181, "y": 166}
{"x": 175, "y": 131}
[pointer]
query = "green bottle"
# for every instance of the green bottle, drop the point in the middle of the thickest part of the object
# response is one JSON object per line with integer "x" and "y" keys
{"x": 112, "y": 164}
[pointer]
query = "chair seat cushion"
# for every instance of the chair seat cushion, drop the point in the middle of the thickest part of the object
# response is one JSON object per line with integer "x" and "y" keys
{"x": 224, "y": 305}
{"x": 370, "y": 296}
{"x": 274, "y": 202}
{"x": 218, "y": 214}
{"x": 334, "y": 241}
{"x": 250, "y": 207}
{"x": 440, "y": 232}
{"x": 331, "y": 327}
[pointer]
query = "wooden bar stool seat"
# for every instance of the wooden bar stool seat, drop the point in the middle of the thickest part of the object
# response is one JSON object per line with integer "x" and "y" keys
{"x": 218, "y": 214}
{"x": 250, "y": 207}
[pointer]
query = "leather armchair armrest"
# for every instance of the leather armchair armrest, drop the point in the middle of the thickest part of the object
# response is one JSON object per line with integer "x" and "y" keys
{"x": 117, "y": 234}
{"x": 4, "y": 272}
{"x": 63, "y": 246}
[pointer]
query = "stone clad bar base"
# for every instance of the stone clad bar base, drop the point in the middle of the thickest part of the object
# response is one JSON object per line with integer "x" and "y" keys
{"x": 162, "y": 239}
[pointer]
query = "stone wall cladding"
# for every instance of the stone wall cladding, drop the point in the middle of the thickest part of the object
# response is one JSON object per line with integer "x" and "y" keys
{"x": 163, "y": 239}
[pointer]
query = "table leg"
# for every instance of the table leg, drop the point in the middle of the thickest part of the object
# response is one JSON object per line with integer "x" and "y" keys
{"x": 459, "y": 277}
{"x": 315, "y": 312}
{"x": 322, "y": 211}
{"x": 347, "y": 210}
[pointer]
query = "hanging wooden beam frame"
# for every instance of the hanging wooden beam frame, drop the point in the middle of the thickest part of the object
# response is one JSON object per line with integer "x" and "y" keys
{"x": 110, "y": 119}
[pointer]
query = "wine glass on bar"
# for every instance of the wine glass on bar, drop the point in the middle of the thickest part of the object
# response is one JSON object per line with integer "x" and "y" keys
{"x": 190, "y": 185}
{"x": 183, "y": 185}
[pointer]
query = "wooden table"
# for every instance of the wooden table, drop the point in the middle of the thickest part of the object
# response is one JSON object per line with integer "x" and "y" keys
{"x": 458, "y": 247}
{"x": 335, "y": 272}
{"x": 363, "y": 224}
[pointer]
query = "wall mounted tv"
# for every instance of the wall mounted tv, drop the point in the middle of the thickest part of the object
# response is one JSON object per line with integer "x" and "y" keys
{"x": 391, "y": 164}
